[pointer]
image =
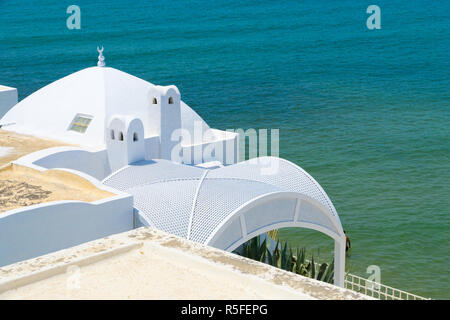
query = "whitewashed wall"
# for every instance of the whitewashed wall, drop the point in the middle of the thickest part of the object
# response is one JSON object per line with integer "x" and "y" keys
{"x": 224, "y": 149}
{"x": 40, "y": 229}
{"x": 94, "y": 164}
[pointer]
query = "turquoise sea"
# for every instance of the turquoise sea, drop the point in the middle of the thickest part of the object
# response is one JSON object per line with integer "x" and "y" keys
{"x": 366, "y": 112}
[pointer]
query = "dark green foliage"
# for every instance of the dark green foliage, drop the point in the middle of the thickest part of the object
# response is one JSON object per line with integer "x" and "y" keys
{"x": 255, "y": 250}
{"x": 283, "y": 257}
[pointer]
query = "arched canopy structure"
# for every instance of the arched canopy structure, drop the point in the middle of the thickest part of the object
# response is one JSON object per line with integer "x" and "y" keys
{"x": 227, "y": 206}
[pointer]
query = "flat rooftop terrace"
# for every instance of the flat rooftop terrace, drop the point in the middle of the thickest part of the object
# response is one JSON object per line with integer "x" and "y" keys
{"x": 21, "y": 186}
{"x": 14, "y": 145}
{"x": 149, "y": 264}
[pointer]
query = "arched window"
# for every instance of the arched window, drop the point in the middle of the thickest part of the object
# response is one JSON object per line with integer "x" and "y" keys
{"x": 112, "y": 135}
{"x": 135, "y": 136}
{"x": 155, "y": 101}
{"x": 170, "y": 100}
{"x": 121, "y": 136}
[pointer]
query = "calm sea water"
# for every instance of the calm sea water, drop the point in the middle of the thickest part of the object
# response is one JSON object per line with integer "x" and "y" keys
{"x": 367, "y": 113}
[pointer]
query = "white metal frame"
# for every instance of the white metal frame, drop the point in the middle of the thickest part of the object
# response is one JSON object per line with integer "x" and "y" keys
{"x": 226, "y": 207}
{"x": 339, "y": 251}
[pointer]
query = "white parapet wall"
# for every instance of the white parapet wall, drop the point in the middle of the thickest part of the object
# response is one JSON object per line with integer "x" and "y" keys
{"x": 92, "y": 163}
{"x": 8, "y": 99}
{"x": 149, "y": 264}
{"x": 35, "y": 230}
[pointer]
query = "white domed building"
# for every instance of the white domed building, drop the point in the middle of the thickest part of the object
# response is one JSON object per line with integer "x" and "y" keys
{"x": 162, "y": 166}
{"x": 95, "y": 108}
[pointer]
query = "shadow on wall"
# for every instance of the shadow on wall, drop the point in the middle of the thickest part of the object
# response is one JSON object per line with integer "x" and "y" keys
{"x": 95, "y": 164}
{"x": 44, "y": 228}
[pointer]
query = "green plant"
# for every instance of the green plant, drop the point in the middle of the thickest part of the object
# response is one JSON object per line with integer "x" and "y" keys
{"x": 283, "y": 257}
{"x": 255, "y": 250}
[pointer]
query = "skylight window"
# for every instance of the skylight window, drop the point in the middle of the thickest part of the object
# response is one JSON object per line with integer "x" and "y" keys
{"x": 80, "y": 123}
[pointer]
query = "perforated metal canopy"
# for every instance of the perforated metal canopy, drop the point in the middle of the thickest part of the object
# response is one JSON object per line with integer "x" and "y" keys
{"x": 227, "y": 206}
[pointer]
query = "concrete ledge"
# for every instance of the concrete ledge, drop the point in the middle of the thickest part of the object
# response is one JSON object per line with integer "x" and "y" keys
{"x": 149, "y": 264}
{"x": 58, "y": 268}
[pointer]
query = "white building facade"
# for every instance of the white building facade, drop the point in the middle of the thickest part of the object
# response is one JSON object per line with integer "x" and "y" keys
{"x": 142, "y": 141}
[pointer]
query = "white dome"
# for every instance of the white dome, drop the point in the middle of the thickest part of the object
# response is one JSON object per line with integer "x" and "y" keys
{"x": 94, "y": 93}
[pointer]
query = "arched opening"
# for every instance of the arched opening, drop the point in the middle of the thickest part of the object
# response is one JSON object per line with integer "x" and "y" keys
{"x": 170, "y": 100}
{"x": 256, "y": 218}
{"x": 155, "y": 101}
{"x": 300, "y": 256}
{"x": 135, "y": 137}
{"x": 318, "y": 244}
{"x": 112, "y": 135}
{"x": 121, "y": 136}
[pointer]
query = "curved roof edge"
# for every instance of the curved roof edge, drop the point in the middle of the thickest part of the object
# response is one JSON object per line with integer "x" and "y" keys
{"x": 95, "y": 93}
{"x": 296, "y": 221}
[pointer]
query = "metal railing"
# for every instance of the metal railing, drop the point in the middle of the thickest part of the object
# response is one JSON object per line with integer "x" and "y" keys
{"x": 377, "y": 290}
{"x": 366, "y": 286}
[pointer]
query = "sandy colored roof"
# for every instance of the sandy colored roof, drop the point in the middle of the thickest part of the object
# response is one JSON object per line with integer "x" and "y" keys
{"x": 149, "y": 264}
{"x": 21, "y": 186}
{"x": 20, "y": 144}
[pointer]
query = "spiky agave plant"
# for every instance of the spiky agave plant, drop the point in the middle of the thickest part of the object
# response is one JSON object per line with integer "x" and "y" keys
{"x": 255, "y": 250}
{"x": 309, "y": 269}
{"x": 273, "y": 257}
{"x": 284, "y": 258}
{"x": 327, "y": 274}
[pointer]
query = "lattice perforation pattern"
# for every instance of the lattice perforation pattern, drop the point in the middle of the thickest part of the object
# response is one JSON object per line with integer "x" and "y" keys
{"x": 192, "y": 202}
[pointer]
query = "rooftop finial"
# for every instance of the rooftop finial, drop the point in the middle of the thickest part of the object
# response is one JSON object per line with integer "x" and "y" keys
{"x": 101, "y": 58}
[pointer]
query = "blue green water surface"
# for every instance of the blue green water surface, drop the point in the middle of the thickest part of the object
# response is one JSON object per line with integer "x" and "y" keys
{"x": 367, "y": 113}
